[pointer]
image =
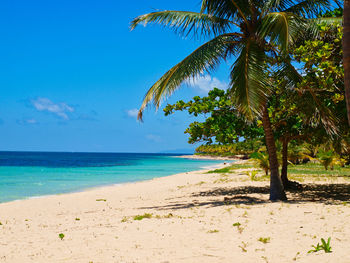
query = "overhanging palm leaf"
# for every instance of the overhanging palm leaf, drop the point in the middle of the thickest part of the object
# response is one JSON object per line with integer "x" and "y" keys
{"x": 249, "y": 84}
{"x": 205, "y": 59}
{"x": 308, "y": 8}
{"x": 283, "y": 29}
{"x": 276, "y": 27}
{"x": 184, "y": 23}
{"x": 227, "y": 9}
{"x": 304, "y": 8}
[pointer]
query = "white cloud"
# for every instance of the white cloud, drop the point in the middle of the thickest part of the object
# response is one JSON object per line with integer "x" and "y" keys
{"x": 207, "y": 83}
{"x": 153, "y": 138}
{"x": 132, "y": 113}
{"x": 60, "y": 109}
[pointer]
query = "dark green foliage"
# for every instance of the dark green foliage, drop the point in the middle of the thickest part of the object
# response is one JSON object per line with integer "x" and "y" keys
{"x": 61, "y": 236}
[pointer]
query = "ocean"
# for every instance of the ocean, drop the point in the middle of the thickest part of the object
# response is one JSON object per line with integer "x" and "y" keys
{"x": 31, "y": 174}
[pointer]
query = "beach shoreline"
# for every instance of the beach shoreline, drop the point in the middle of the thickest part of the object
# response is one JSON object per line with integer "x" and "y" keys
{"x": 186, "y": 217}
{"x": 100, "y": 187}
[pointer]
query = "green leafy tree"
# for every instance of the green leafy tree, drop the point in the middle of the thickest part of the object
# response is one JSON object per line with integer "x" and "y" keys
{"x": 223, "y": 123}
{"x": 323, "y": 73}
{"x": 254, "y": 32}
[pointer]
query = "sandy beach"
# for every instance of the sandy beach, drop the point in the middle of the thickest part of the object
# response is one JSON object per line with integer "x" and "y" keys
{"x": 194, "y": 217}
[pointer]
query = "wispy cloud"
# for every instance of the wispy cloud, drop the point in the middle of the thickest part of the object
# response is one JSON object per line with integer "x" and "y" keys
{"x": 27, "y": 121}
{"x": 207, "y": 83}
{"x": 132, "y": 113}
{"x": 59, "y": 109}
{"x": 153, "y": 138}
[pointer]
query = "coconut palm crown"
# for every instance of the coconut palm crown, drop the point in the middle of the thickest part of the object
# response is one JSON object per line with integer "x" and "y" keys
{"x": 255, "y": 34}
{"x": 251, "y": 30}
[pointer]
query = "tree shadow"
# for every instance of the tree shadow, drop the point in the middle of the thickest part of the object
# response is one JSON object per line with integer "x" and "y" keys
{"x": 323, "y": 193}
{"x": 255, "y": 195}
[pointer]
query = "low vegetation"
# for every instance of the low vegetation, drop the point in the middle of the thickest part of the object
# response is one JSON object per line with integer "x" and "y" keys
{"x": 325, "y": 246}
{"x": 140, "y": 217}
{"x": 264, "y": 240}
{"x": 299, "y": 172}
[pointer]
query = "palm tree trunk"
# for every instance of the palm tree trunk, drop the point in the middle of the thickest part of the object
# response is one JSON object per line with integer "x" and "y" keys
{"x": 346, "y": 54}
{"x": 276, "y": 186}
{"x": 284, "y": 175}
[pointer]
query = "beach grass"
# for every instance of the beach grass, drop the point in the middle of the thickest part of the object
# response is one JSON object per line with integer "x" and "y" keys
{"x": 295, "y": 172}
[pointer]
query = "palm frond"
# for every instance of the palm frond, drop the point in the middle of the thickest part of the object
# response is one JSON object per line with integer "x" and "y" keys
{"x": 276, "y": 5}
{"x": 288, "y": 73}
{"x": 308, "y": 8}
{"x": 249, "y": 84}
{"x": 275, "y": 27}
{"x": 184, "y": 23}
{"x": 283, "y": 29}
{"x": 227, "y": 9}
{"x": 204, "y": 59}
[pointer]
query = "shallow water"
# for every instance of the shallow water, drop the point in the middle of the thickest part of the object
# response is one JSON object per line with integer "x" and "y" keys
{"x": 30, "y": 174}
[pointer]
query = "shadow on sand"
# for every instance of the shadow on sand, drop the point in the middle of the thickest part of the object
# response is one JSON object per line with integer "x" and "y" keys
{"x": 254, "y": 195}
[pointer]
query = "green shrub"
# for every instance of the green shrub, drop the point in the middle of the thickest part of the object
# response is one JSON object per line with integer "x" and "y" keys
{"x": 140, "y": 217}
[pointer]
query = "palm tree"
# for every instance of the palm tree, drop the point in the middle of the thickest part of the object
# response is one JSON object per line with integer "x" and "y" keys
{"x": 255, "y": 32}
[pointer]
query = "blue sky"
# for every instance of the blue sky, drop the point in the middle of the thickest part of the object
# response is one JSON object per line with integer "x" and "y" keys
{"x": 72, "y": 76}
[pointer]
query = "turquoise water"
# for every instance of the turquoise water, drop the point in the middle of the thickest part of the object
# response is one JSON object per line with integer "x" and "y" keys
{"x": 24, "y": 175}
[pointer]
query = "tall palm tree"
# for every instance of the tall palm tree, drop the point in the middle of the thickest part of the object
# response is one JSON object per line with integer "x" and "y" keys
{"x": 255, "y": 33}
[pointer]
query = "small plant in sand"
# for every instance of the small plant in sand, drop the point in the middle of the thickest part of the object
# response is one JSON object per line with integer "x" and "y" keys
{"x": 140, "y": 217}
{"x": 61, "y": 236}
{"x": 77, "y": 219}
{"x": 252, "y": 175}
{"x": 125, "y": 219}
{"x": 169, "y": 215}
{"x": 0, "y": 224}
{"x": 101, "y": 200}
{"x": 239, "y": 227}
{"x": 264, "y": 240}
{"x": 243, "y": 247}
{"x": 213, "y": 231}
{"x": 325, "y": 246}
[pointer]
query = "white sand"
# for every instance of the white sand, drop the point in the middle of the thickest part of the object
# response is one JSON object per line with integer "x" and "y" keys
{"x": 199, "y": 228}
